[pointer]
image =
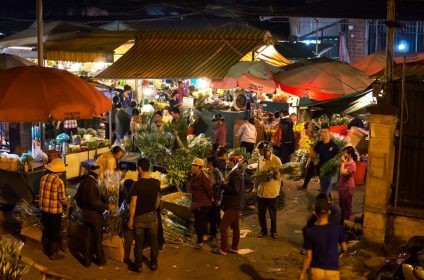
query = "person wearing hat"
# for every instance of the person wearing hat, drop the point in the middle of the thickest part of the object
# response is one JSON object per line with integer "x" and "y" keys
{"x": 247, "y": 135}
{"x": 268, "y": 192}
{"x": 322, "y": 245}
{"x": 231, "y": 204}
{"x": 93, "y": 204}
{"x": 220, "y": 131}
{"x": 52, "y": 202}
{"x": 202, "y": 197}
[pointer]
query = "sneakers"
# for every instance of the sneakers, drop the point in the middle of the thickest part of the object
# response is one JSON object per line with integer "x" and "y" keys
{"x": 135, "y": 268}
{"x": 198, "y": 245}
{"x": 153, "y": 266}
{"x": 261, "y": 235}
{"x": 56, "y": 256}
{"x": 232, "y": 251}
{"x": 274, "y": 235}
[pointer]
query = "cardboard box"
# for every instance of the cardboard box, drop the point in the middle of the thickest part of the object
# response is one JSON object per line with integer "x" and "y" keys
{"x": 32, "y": 232}
{"x": 357, "y": 137}
{"x": 114, "y": 249}
{"x": 183, "y": 212}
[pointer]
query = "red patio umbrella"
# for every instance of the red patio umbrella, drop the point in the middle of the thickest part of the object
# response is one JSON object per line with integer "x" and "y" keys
{"x": 321, "y": 79}
{"x": 35, "y": 94}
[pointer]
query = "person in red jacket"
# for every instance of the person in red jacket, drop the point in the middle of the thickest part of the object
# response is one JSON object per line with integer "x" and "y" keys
{"x": 202, "y": 197}
{"x": 220, "y": 132}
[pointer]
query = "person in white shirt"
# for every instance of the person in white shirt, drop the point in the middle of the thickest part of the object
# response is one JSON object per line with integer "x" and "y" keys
{"x": 247, "y": 135}
{"x": 268, "y": 192}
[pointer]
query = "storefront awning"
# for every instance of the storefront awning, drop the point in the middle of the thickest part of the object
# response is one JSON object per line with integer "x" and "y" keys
{"x": 268, "y": 54}
{"x": 209, "y": 53}
{"x": 98, "y": 45}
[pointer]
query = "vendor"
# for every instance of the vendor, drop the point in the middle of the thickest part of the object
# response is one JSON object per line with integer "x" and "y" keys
{"x": 108, "y": 161}
{"x": 179, "y": 126}
{"x": 158, "y": 125}
{"x": 173, "y": 101}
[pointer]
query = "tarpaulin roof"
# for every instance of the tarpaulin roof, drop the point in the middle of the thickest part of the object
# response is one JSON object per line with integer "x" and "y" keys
{"x": 268, "y": 54}
{"x": 342, "y": 105}
{"x": 185, "y": 53}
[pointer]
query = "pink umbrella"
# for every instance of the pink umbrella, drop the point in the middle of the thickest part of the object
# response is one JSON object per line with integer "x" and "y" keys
{"x": 249, "y": 75}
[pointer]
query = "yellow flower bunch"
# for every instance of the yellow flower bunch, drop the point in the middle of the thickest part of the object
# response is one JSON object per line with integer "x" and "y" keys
{"x": 305, "y": 142}
{"x": 299, "y": 127}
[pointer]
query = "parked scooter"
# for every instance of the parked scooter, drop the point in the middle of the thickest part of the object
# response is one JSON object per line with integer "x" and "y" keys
{"x": 409, "y": 263}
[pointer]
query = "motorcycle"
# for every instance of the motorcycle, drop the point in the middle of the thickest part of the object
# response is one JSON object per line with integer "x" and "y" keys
{"x": 409, "y": 263}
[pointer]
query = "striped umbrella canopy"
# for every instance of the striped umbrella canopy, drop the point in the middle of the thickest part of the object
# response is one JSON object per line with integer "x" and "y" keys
{"x": 321, "y": 79}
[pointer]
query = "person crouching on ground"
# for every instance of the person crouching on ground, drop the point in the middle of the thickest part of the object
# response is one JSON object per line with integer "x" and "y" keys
{"x": 321, "y": 245}
{"x": 202, "y": 197}
{"x": 92, "y": 204}
{"x": 143, "y": 215}
{"x": 53, "y": 200}
{"x": 268, "y": 192}
{"x": 231, "y": 204}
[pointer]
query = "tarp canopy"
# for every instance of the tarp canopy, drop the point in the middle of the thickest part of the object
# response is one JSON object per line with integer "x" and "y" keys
{"x": 191, "y": 53}
{"x": 56, "y": 30}
{"x": 268, "y": 54}
{"x": 72, "y": 42}
{"x": 342, "y": 105}
{"x": 98, "y": 45}
{"x": 375, "y": 64}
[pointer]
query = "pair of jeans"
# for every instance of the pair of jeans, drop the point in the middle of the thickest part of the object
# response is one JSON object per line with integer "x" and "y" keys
{"x": 214, "y": 219}
{"x": 51, "y": 236}
{"x": 94, "y": 220}
{"x": 231, "y": 219}
{"x": 248, "y": 146}
{"x": 309, "y": 174}
{"x": 146, "y": 224}
{"x": 201, "y": 222}
{"x": 271, "y": 205}
{"x": 326, "y": 182}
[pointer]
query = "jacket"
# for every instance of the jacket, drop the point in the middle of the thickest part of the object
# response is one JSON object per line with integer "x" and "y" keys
{"x": 201, "y": 191}
{"x": 88, "y": 196}
{"x": 286, "y": 126}
{"x": 234, "y": 189}
{"x": 122, "y": 122}
{"x": 220, "y": 135}
{"x": 247, "y": 132}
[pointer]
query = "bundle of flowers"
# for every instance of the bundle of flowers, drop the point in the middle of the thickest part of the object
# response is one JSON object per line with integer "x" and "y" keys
{"x": 11, "y": 265}
{"x": 265, "y": 175}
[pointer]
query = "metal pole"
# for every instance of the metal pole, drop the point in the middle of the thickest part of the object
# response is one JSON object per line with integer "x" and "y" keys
{"x": 316, "y": 38}
{"x": 390, "y": 39}
{"x": 402, "y": 105}
{"x": 40, "y": 55}
{"x": 40, "y": 41}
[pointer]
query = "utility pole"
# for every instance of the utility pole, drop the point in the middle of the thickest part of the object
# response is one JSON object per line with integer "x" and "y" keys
{"x": 40, "y": 56}
{"x": 316, "y": 38}
{"x": 390, "y": 40}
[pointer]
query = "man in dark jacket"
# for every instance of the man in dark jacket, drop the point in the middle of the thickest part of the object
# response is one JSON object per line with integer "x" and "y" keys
{"x": 122, "y": 122}
{"x": 232, "y": 204}
{"x": 287, "y": 140}
{"x": 93, "y": 205}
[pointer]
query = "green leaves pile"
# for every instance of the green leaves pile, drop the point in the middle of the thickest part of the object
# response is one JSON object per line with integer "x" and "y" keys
{"x": 178, "y": 164}
{"x": 330, "y": 167}
{"x": 264, "y": 176}
{"x": 11, "y": 264}
{"x": 154, "y": 146}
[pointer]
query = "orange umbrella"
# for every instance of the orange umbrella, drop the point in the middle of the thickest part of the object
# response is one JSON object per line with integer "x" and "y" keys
{"x": 33, "y": 94}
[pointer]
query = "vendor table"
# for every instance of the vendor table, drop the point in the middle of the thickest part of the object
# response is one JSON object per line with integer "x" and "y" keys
{"x": 73, "y": 160}
{"x": 15, "y": 185}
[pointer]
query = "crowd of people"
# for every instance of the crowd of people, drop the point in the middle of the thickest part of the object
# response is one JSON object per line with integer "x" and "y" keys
{"x": 216, "y": 199}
